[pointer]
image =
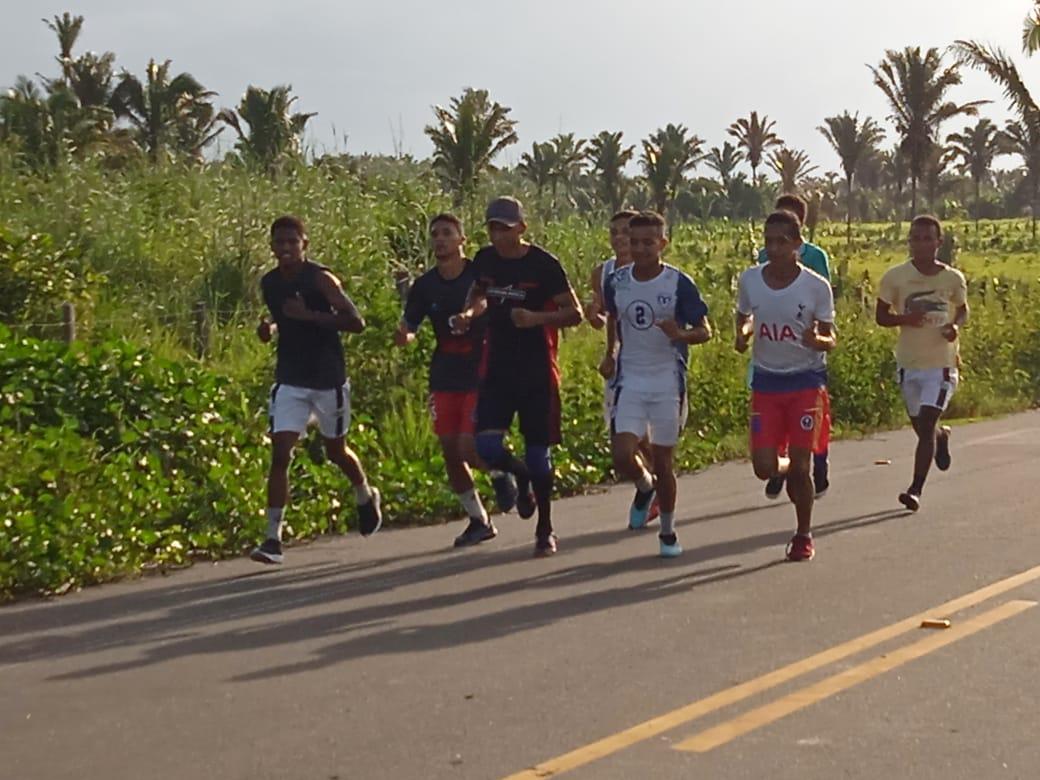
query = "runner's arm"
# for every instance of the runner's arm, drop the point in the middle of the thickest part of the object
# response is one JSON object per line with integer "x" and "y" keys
{"x": 744, "y": 325}
{"x": 566, "y": 314}
{"x": 886, "y": 318}
{"x": 595, "y": 312}
{"x": 822, "y": 338}
{"x": 345, "y": 316}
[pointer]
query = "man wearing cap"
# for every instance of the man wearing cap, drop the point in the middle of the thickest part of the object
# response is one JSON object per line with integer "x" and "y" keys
{"x": 528, "y": 298}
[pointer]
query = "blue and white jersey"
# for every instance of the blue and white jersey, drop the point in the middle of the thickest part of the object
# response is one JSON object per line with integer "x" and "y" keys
{"x": 648, "y": 361}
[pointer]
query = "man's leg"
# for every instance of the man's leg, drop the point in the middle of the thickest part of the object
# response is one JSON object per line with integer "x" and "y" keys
{"x": 821, "y": 453}
{"x": 664, "y": 469}
{"x": 270, "y": 551}
{"x": 925, "y": 425}
{"x": 630, "y": 428}
{"x": 800, "y": 487}
{"x": 370, "y": 516}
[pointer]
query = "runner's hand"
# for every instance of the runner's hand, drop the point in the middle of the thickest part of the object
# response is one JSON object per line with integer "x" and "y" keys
{"x": 459, "y": 324}
{"x": 296, "y": 309}
{"x": 402, "y": 336}
{"x": 522, "y": 318}
{"x": 741, "y": 342}
{"x": 670, "y": 329}
{"x": 607, "y": 367}
{"x": 950, "y": 331}
{"x": 264, "y": 330}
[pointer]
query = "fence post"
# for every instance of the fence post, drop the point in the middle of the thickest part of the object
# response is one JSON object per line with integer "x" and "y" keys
{"x": 68, "y": 322}
{"x": 201, "y": 333}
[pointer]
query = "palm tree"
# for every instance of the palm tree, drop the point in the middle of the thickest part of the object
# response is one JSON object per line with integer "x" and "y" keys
{"x": 608, "y": 158}
{"x": 162, "y": 108}
{"x": 466, "y": 138}
{"x": 792, "y": 166}
{"x": 1031, "y": 30}
{"x": 976, "y": 147}
{"x": 915, "y": 85}
{"x": 1021, "y": 136}
{"x": 90, "y": 78}
{"x": 67, "y": 27}
{"x": 724, "y": 161}
{"x": 1024, "y": 140}
{"x": 854, "y": 142}
{"x": 756, "y": 137}
{"x": 537, "y": 166}
{"x": 668, "y": 155}
{"x": 273, "y": 130}
{"x": 567, "y": 157}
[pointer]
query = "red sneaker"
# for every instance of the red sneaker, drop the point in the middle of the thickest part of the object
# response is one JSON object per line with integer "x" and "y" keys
{"x": 800, "y": 548}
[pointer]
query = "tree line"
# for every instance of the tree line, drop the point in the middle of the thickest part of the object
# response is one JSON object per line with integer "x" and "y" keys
{"x": 89, "y": 110}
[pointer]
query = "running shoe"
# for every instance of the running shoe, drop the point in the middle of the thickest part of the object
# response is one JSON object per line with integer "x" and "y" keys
{"x": 525, "y": 502}
{"x": 800, "y": 548}
{"x": 476, "y": 532}
{"x": 943, "y": 458}
{"x": 504, "y": 484}
{"x": 821, "y": 476}
{"x": 775, "y": 486}
{"x": 639, "y": 512}
{"x": 910, "y": 500}
{"x": 370, "y": 518}
{"x": 268, "y": 552}
{"x": 670, "y": 547}
{"x": 544, "y": 546}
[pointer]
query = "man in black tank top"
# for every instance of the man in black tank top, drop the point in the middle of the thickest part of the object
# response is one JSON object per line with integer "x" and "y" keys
{"x": 308, "y": 311}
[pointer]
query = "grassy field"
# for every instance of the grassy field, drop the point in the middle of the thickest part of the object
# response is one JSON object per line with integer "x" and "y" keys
{"x": 127, "y": 451}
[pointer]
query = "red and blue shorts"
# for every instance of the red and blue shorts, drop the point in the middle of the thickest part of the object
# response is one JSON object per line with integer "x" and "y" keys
{"x": 454, "y": 413}
{"x": 799, "y": 418}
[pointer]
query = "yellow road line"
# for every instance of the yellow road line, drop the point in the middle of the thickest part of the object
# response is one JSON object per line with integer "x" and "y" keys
{"x": 662, "y": 723}
{"x": 781, "y": 708}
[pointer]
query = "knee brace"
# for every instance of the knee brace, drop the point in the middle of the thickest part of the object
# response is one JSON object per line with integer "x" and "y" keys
{"x": 538, "y": 459}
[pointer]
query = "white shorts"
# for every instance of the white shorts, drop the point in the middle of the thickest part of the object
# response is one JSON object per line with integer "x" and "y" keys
{"x": 293, "y": 408}
{"x": 658, "y": 416}
{"x": 927, "y": 387}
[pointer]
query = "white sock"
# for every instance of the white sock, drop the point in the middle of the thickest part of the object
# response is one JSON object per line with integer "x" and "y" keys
{"x": 274, "y": 522}
{"x": 644, "y": 482}
{"x": 363, "y": 493}
{"x": 471, "y": 503}
{"x": 667, "y": 523}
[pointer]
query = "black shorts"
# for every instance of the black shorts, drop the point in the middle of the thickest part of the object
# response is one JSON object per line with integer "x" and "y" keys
{"x": 537, "y": 406}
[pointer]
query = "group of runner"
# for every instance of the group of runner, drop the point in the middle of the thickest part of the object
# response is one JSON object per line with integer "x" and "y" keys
{"x": 496, "y": 320}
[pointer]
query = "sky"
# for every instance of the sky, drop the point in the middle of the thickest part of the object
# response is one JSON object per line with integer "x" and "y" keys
{"x": 373, "y": 70}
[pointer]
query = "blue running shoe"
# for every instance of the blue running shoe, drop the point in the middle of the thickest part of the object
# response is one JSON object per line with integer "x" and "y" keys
{"x": 670, "y": 547}
{"x": 640, "y": 509}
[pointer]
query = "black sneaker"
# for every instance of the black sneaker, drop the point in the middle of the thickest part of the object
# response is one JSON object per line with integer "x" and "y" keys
{"x": 544, "y": 546}
{"x": 821, "y": 478}
{"x": 943, "y": 459}
{"x": 910, "y": 500}
{"x": 526, "y": 504}
{"x": 370, "y": 518}
{"x": 476, "y": 532}
{"x": 268, "y": 552}
{"x": 505, "y": 491}
{"x": 775, "y": 486}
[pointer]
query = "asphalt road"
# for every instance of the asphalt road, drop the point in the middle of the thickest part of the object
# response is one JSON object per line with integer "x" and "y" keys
{"x": 398, "y": 657}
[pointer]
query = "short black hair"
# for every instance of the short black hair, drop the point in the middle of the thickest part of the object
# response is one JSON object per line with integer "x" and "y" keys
{"x": 647, "y": 219}
{"x": 447, "y": 216}
{"x": 626, "y": 214}
{"x": 788, "y": 219}
{"x": 928, "y": 219}
{"x": 289, "y": 221}
{"x": 793, "y": 203}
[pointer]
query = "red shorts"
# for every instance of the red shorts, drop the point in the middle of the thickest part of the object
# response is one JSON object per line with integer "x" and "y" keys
{"x": 453, "y": 413}
{"x": 796, "y": 419}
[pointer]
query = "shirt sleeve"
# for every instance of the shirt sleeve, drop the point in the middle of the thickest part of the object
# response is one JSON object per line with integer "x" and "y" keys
{"x": 960, "y": 293}
{"x": 415, "y": 307}
{"x": 887, "y": 289}
{"x": 823, "y": 264}
{"x": 824, "y": 303}
{"x": 743, "y": 298}
{"x": 690, "y": 308}
{"x": 609, "y": 296}
{"x": 554, "y": 277}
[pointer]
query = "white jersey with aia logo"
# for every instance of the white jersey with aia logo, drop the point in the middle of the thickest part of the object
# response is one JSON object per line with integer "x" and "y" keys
{"x": 781, "y": 317}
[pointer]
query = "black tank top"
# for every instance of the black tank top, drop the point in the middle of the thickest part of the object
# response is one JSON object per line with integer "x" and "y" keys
{"x": 308, "y": 355}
